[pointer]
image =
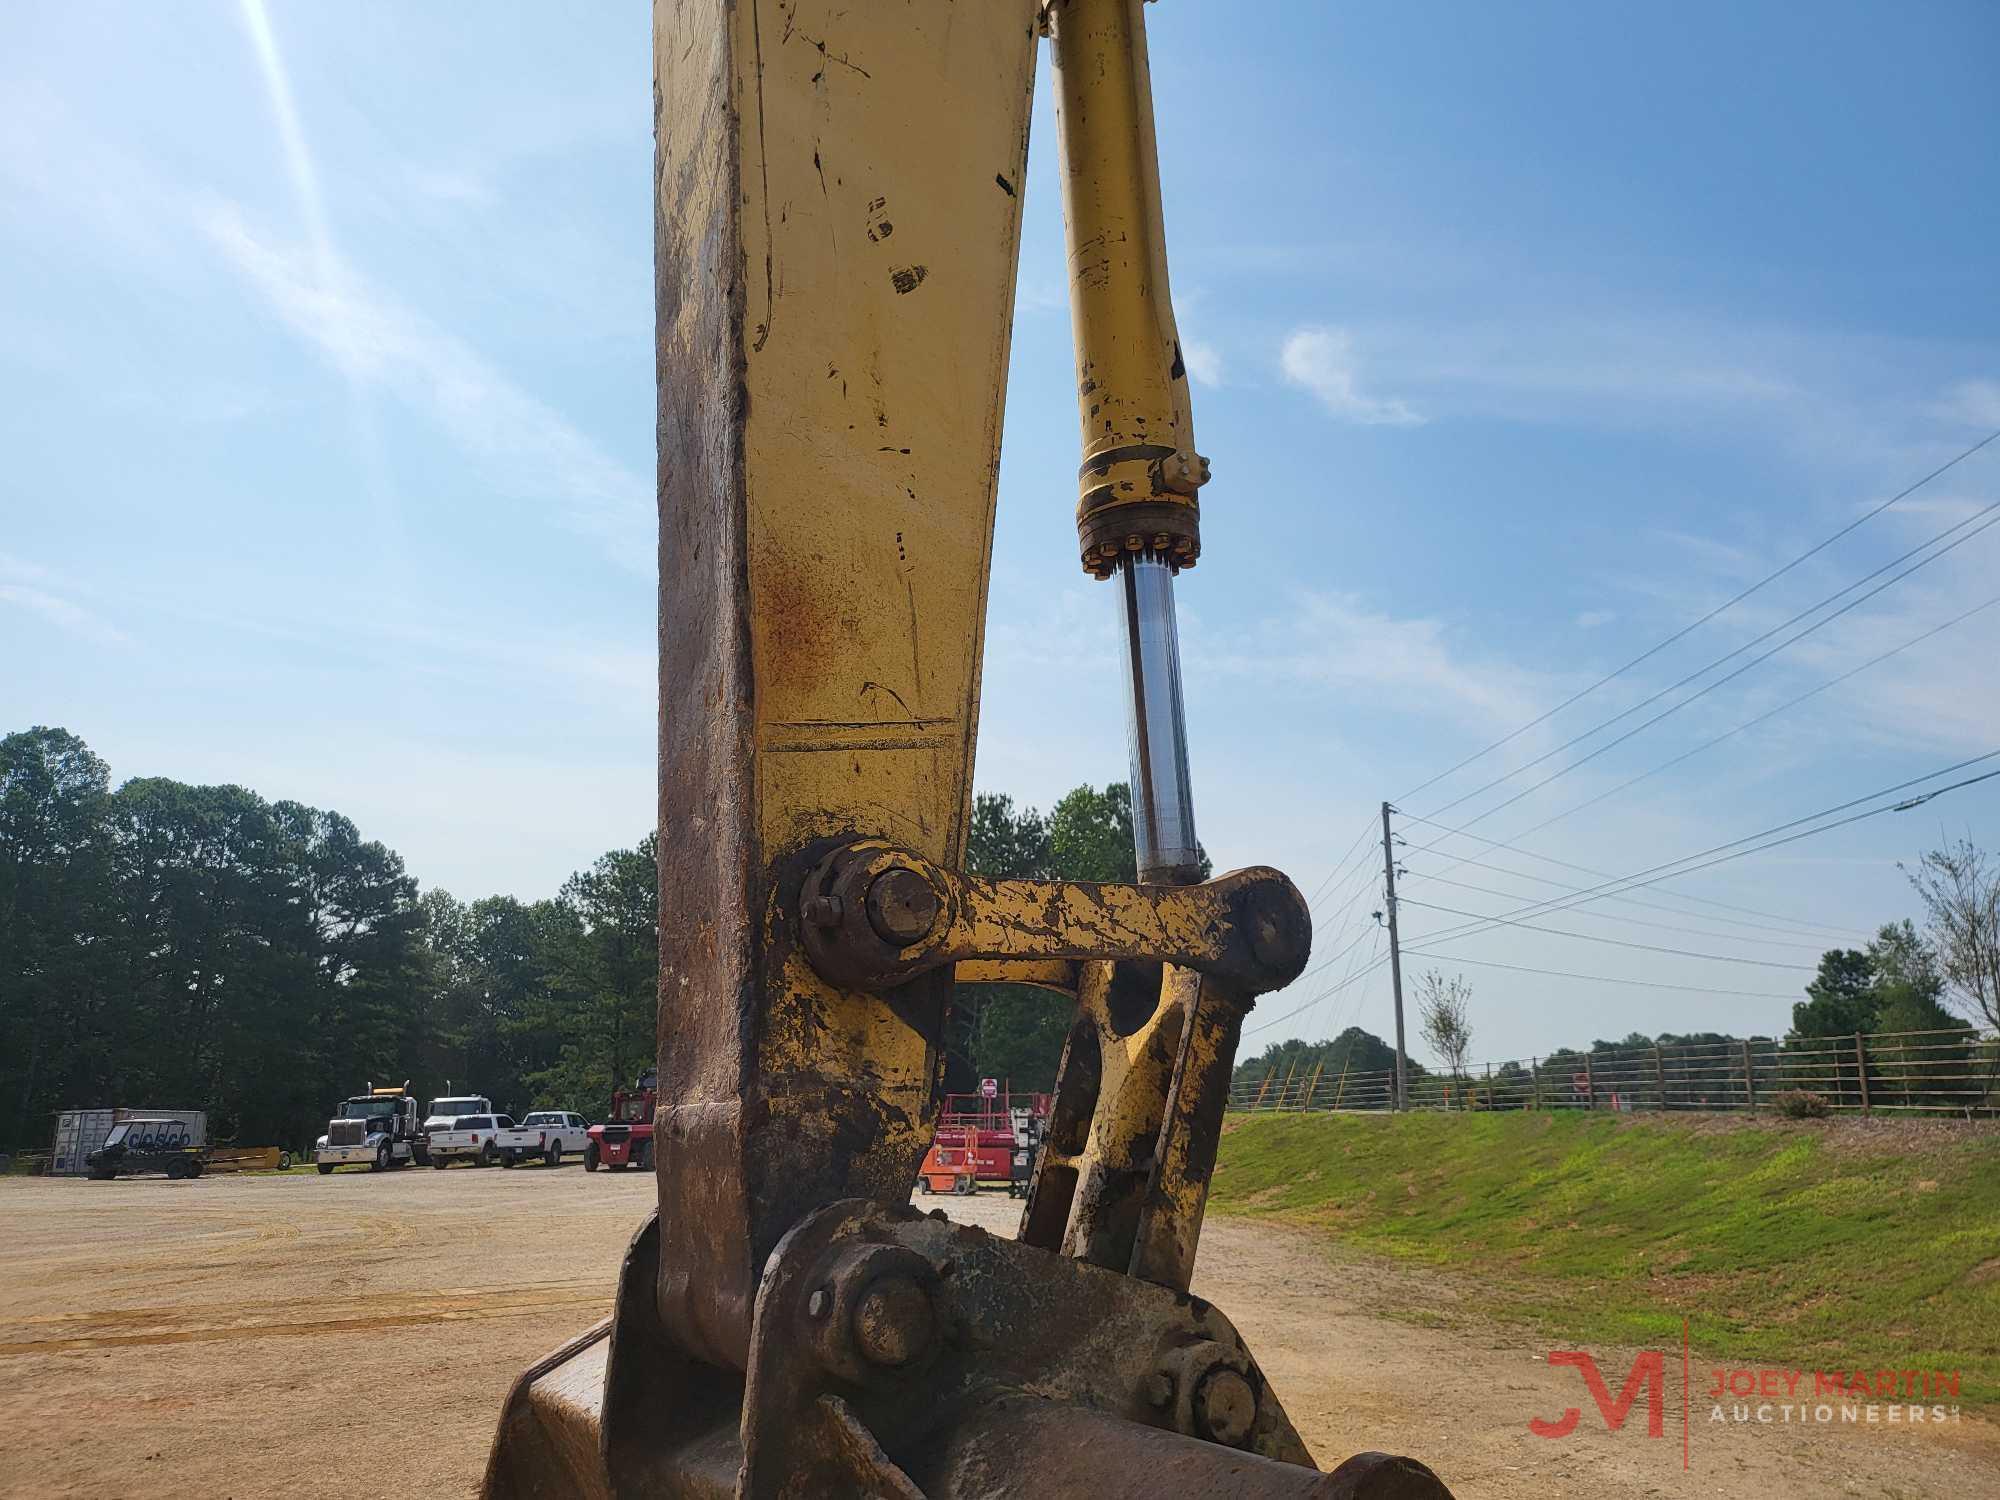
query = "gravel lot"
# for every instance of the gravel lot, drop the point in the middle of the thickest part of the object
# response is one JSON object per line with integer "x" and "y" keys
{"x": 354, "y": 1334}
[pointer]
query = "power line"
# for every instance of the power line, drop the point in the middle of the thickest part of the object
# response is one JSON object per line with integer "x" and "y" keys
{"x": 1819, "y": 940}
{"x": 1367, "y": 824}
{"x": 1332, "y": 989}
{"x": 1685, "y": 630}
{"x": 1362, "y": 869}
{"x": 1335, "y": 958}
{"x": 1989, "y": 511}
{"x": 1649, "y": 984}
{"x": 1591, "y": 937}
{"x": 1767, "y": 714}
{"x": 1639, "y": 880}
{"x": 1797, "y": 924}
{"x": 1728, "y": 937}
{"x": 1353, "y": 909}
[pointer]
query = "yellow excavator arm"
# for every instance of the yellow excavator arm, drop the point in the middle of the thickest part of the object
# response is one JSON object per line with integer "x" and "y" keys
{"x": 838, "y": 191}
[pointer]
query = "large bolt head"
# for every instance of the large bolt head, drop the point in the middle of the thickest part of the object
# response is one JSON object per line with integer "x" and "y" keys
{"x": 902, "y": 907}
{"x": 894, "y": 1322}
{"x": 1225, "y": 1408}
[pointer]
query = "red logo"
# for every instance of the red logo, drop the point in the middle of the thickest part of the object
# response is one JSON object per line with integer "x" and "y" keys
{"x": 1649, "y": 1371}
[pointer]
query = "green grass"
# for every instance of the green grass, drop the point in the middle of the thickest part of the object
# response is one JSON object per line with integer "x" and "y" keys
{"x": 1809, "y": 1245}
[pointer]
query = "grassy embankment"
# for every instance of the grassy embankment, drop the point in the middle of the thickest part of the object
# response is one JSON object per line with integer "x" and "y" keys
{"x": 1816, "y": 1245}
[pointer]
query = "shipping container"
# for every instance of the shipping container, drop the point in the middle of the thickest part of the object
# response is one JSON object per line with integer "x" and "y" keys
{"x": 81, "y": 1131}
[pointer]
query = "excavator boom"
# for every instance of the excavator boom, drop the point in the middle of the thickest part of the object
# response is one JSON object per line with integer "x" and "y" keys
{"x": 838, "y": 198}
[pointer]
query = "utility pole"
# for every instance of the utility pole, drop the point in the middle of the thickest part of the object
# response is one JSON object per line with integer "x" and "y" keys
{"x": 1395, "y": 963}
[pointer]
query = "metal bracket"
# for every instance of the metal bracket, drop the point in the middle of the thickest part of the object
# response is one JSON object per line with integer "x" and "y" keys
{"x": 901, "y": 1356}
{"x": 885, "y": 1338}
{"x": 872, "y": 915}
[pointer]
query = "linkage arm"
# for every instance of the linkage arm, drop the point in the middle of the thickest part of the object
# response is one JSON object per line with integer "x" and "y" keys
{"x": 873, "y": 915}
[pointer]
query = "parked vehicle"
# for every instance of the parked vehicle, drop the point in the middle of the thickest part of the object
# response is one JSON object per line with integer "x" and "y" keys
{"x": 626, "y": 1138}
{"x": 82, "y": 1131}
{"x": 988, "y": 1137}
{"x": 377, "y": 1129}
{"x": 135, "y": 1146}
{"x": 546, "y": 1135}
{"x": 440, "y": 1114}
{"x": 473, "y": 1138}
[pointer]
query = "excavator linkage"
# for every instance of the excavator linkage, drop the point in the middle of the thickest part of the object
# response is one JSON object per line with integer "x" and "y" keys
{"x": 838, "y": 197}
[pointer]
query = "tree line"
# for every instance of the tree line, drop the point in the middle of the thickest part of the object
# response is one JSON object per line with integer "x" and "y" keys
{"x": 164, "y": 945}
{"x": 1922, "y": 996}
{"x": 177, "y": 946}
{"x": 172, "y": 946}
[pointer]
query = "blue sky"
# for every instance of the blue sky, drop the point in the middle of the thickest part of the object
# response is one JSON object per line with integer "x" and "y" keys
{"x": 1523, "y": 336}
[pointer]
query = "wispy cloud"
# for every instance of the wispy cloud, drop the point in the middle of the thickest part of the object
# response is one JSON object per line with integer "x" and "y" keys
{"x": 62, "y": 613}
{"x": 1593, "y": 619}
{"x": 298, "y": 157}
{"x": 1321, "y": 360}
{"x": 443, "y": 185}
{"x": 1412, "y": 662}
{"x": 1707, "y": 554}
{"x": 528, "y": 447}
{"x": 1204, "y": 362}
{"x": 1975, "y": 402}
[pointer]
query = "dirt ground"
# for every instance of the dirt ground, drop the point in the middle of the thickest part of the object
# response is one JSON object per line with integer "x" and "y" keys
{"x": 354, "y": 1334}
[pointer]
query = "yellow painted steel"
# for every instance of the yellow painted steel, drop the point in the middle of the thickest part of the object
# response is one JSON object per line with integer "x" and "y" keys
{"x": 242, "y": 1159}
{"x": 1140, "y": 471}
{"x": 1137, "y": 1063}
{"x": 838, "y": 219}
{"x": 1190, "y": 1129}
{"x": 1055, "y": 974}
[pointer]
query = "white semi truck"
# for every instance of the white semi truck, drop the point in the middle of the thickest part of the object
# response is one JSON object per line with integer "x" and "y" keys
{"x": 443, "y": 1112}
{"x": 378, "y": 1129}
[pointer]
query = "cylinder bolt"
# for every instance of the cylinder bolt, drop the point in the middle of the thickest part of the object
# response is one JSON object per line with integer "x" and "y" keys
{"x": 1225, "y": 1408}
{"x": 894, "y": 1322}
{"x": 902, "y": 907}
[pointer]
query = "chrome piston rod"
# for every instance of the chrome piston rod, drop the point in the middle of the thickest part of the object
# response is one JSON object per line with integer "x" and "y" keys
{"x": 1156, "y": 724}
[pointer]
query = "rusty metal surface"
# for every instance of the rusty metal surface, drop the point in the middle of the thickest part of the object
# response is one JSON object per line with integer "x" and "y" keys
{"x": 899, "y": 1355}
{"x": 1057, "y": 975}
{"x": 547, "y": 1445}
{"x": 1025, "y": 1448}
{"x": 837, "y": 220}
{"x": 1135, "y": 1050}
{"x": 834, "y": 298}
{"x": 1250, "y": 926}
{"x": 1176, "y": 1195}
{"x": 620, "y": 1411}
{"x": 975, "y": 1320}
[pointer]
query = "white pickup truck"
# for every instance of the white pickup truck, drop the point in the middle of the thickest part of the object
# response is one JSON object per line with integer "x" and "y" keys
{"x": 473, "y": 1138}
{"x": 547, "y": 1135}
{"x": 446, "y": 1112}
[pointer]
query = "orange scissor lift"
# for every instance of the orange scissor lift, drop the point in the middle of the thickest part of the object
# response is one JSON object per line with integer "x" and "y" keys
{"x": 988, "y": 1138}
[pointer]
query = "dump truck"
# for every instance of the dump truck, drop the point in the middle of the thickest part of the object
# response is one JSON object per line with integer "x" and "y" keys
{"x": 378, "y": 1129}
{"x": 838, "y": 196}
